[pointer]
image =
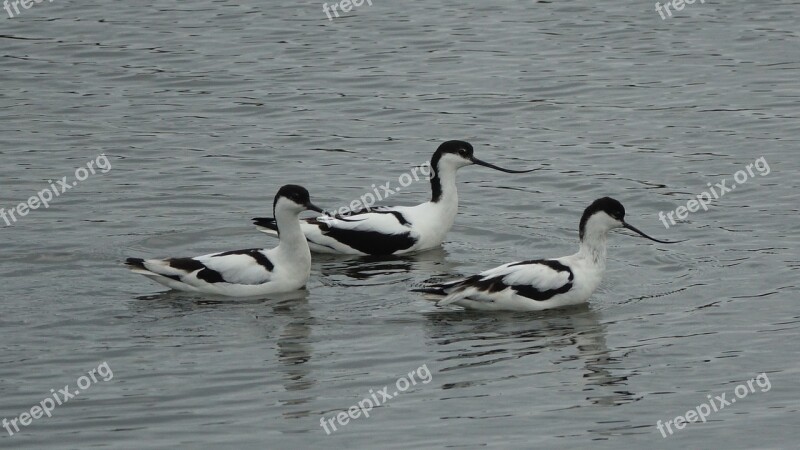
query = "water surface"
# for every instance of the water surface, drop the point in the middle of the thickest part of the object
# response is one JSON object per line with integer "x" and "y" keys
{"x": 204, "y": 109}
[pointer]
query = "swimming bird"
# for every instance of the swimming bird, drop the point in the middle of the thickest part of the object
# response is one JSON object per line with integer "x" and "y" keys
{"x": 247, "y": 272}
{"x": 543, "y": 283}
{"x": 386, "y": 230}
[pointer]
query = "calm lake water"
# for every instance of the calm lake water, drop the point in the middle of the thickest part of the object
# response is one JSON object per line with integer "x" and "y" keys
{"x": 204, "y": 108}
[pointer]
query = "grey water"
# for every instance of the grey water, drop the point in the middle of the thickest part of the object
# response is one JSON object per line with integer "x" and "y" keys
{"x": 204, "y": 108}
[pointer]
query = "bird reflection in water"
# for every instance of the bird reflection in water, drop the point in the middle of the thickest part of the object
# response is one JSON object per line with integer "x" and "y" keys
{"x": 358, "y": 270}
{"x": 474, "y": 339}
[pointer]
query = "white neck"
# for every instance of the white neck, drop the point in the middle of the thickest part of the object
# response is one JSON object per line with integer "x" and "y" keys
{"x": 447, "y": 180}
{"x": 593, "y": 247}
{"x": 446, "y": 206}
{"x": 293, "y": 243}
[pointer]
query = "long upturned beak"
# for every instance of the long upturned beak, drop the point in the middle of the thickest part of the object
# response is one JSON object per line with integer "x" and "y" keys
{"x": 636, "y": 230}
{"x": 492, "y": 166}
{"x": 312, "y": 207}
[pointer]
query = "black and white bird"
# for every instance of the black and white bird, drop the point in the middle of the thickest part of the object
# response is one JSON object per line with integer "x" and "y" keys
{"x": 249, "y": 272}
{"x": 543, "y": 283}
{"x": 387, "y": 230}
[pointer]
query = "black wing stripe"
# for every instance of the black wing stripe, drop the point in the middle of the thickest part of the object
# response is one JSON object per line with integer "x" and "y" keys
{"x": 535, "y": 294}
{"x": 254, "y": 253}
{"x": 551, "y": 263}
{"x": 372, "y": 242}
{"x": 490, "y": 285}
{"x": 369, "y": 242}
{"x": 400, "y": 218}
{"x": 497, "y": 284}
{"x": 190, "y": 265}
{"x": 187, "y": 265}
{"x": 210, "y": 276}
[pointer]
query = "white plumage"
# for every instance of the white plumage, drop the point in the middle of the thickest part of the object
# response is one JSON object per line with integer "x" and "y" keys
{"x": 395, "y": 230}
{"x": 246, "y": 272}
{"x": 546, "y": 283}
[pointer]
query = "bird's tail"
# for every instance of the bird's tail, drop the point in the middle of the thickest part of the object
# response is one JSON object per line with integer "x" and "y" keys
{"x": 431, "y": 290}
{"x": 442, "y": 293}
{"x": 135, "y": 263}
{"x": 266, "y": 225}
